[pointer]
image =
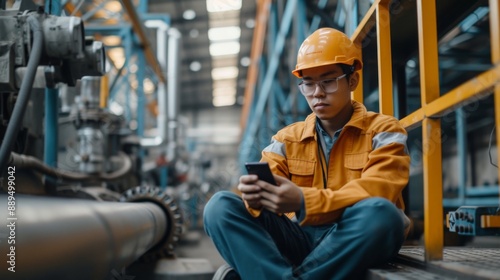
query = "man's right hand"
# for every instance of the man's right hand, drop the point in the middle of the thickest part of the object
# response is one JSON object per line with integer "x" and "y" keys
{"x": 250, "y": 191}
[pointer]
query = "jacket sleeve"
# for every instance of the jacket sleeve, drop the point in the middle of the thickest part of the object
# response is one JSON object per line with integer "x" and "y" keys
{"x": 385, "y": 174}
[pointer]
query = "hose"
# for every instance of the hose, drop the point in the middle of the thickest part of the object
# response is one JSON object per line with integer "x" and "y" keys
{"x": 24, "y": 161}
{"x": 125, "y": 168}
{"x": 24, "y": 92}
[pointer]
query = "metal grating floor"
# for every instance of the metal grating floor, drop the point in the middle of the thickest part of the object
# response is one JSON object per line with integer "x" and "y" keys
{"x": 466, "y": 263}
{"x": 397, "y": 271}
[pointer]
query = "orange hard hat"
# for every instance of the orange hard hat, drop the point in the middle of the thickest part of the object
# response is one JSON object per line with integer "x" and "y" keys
{"x": 327, "y": 46}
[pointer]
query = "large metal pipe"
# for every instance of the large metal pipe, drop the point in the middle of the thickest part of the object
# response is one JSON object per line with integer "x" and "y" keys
{"x": 174, "y": 45}
{"x": 54, "y": 238}
{"x": 161, "y": 119}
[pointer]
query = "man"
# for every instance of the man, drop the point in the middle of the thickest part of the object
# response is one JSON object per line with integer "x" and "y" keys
{"x": 337, "y": 207}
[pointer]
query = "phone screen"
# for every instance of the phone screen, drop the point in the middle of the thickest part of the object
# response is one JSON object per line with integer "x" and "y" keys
{"x": 262, "y": 170}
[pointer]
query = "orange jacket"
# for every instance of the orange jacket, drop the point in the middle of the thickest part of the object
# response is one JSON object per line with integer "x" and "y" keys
{"x": 369, "y": 159}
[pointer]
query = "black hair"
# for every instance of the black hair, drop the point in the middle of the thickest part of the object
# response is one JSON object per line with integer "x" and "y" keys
{"x": 348, "y": 69}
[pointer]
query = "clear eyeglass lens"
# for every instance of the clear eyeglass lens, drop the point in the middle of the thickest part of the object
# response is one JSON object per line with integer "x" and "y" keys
{"x": 328, "y": 86}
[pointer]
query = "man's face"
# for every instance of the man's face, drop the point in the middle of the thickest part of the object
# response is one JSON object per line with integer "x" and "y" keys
{"x": 328, "y": 105}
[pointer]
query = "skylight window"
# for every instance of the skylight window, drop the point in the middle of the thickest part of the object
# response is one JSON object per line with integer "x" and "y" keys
{"x": 224, "y": 48}
{"x": 220, "y": 101}
{"x": 222, "y": 73}
{"x": 223, "y": 5}
{"x": 224, "y": 91}
{"x": 224, "y": 33}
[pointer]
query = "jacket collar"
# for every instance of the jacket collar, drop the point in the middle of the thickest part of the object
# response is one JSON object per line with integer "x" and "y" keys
{"x": 357, "y": 120}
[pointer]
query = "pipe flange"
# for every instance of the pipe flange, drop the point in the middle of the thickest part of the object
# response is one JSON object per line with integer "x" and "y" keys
{"x": 165, "y": 248}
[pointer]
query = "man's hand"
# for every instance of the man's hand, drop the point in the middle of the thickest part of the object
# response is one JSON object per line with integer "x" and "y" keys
{"x": 284, "y": 198}
{"x": 250, "y": 190}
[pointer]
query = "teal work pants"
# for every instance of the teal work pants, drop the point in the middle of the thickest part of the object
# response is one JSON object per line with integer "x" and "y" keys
{"x": 271, "y": 246}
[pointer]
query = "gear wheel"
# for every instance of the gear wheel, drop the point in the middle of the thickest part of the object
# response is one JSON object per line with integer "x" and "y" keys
{"x": 165, "y": 248}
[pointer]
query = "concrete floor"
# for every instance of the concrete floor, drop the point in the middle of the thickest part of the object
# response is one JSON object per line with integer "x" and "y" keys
{"x": 195, "y": 259}
{"x": 196, "y": 244}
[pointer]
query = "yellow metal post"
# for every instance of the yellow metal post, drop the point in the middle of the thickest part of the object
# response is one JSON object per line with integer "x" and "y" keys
{"x": 357, "y": 94}
{"x": 431, "y": 131}
{"x": 384, "y": 59}
{"x": 495, "y": 59}
{"x": 433, "y": 189}
{"x": 103, "y": 100}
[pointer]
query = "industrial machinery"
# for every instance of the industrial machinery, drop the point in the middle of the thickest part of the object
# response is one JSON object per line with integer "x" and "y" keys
{"x": 474, "y": 220}
{"x": 70, "y": 188}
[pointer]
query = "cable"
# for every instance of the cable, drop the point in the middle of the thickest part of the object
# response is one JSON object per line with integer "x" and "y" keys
{"x": 489, "y": 147}
{"x": 24, "y": 93}
{"x": 29, "y": 162}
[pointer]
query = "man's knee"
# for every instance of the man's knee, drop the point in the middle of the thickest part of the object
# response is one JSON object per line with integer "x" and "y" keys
{"x": 220, "y": 205}
{"x": 380, "y": 215}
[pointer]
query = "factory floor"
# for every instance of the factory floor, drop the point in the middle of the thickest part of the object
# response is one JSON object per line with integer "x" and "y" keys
{"x": 197, "y": 244}
{"x": 197, "y": 259}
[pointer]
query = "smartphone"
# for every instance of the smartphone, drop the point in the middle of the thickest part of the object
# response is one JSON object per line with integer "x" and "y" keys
{"x": 262, "y": 170}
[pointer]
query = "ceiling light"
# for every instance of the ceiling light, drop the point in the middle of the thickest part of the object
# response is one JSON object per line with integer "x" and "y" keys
{"x": 149, "y": 86}
{"x": 222, "y": 73}
{"x": 220, "y": 101}
{"x": 133, "y": 68}
{"x": 224, "y": 33}
{"x": 113, "y": 6}
{"x": 223, "y": 5}
{"x": 193, "y": 33}
{"x": 250, "y": 23}
{"x": 245, "y": 61}
{"x": 189, "y": 14}
{"x": 117, "y": 56}
{"x": 411, "y": 63}
{"x": 225, "y": 48}
{"x": 195, "y": 66}
{"x": 112, "y": 40}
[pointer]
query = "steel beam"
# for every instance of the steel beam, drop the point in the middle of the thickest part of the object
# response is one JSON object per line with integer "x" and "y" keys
{"x": 261, "y": 19}
{"x": 364, "y": 27}
{"x": 265, "y": 90}
{"x": 139, "y": 31}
